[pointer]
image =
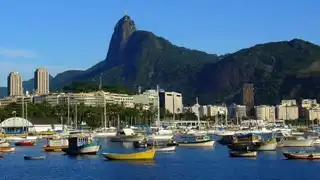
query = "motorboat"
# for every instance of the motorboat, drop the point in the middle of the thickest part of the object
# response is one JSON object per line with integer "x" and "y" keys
{"x": 34, "y": 157}
{"x": 25, "y": 143}
{"x": 196, "y": 141}
{"x": 105, "y": 133}
{"x": 127, "y": 135}
{"x": 269, "y": 145}
{"x": 243, "y": 154}
{"x": 79, "y": 145}
{"x": 295, "y": 141}
{"x": 301, "y": 155}
{"x": 145, "y": 155}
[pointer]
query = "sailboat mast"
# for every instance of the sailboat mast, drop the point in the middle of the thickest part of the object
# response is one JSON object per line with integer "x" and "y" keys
{"x": 104, "y": 111}
{"x": 174, "y": 112}
{"x": 76, "y": 117}
{"x": 22, "y": 106}
{"x": 198, "y": 114}
{"x": 158, "y": 103}
{"x": 68, "y": 121}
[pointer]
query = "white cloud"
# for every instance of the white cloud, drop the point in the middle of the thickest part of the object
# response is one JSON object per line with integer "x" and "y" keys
{"x": 6, "y": 52}
{"x": 26, "y": 70}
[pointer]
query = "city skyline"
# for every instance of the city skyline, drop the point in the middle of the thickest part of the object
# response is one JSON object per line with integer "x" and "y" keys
{"x": 63, "y": 41}
{"x": 41, "y": 82}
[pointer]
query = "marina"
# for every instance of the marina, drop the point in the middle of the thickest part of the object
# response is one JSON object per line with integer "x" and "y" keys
{"x": 151, "y": 161}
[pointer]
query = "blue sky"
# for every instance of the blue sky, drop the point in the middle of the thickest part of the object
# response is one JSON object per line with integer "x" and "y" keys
{"x": 75, "y": 34}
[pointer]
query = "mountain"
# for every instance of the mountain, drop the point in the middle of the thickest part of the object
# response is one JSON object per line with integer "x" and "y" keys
{"x": 285, "y": 69}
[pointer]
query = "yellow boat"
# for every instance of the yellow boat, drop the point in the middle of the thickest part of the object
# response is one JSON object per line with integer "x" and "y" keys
{"x": 146, "y": 155}
{"x": 7, "y": 149}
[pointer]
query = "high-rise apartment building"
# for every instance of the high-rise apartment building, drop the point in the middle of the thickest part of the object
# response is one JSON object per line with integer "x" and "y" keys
{"x": 41, "y": 81}
{"x": 248, "y": 98}
{"x": 15, "y": 84}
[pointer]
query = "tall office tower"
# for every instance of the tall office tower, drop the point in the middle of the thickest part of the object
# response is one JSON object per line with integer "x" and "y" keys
{"x": 248, "y": 98}
{"x": 41, "y": 81}
{"x": 15, "y": 84}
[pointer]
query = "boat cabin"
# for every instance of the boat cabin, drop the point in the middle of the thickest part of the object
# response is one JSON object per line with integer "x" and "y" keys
{"x": 75, "y": 142}
{"x": 246, "y": 139}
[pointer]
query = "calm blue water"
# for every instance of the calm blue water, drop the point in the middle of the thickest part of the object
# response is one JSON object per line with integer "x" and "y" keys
{"x": 184, "y": 164}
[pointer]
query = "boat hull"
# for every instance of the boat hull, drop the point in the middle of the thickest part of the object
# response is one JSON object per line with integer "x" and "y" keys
{"x": 267, "y": 147}
{"x": 297, "y": 143}
{"x": 159, "y": 137}
{"x": 242, "y": 154}
{"x": 104, "y": 134}
{"x": 7, "y": 149}
{"x": 208, "y": 143}
{"x": 166, "y": 149}
{"x": 54, "y": 148}
{"x": 146, "y": 155}
{"x": 310, "y": 156}
{"x": 25, "y": 143}
{"x": 91, "y": 149}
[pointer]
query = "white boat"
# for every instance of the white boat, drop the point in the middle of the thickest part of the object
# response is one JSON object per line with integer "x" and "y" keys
{"x": 165, "y": 149}
{"x": 31, "y": 138}
{"x": 200, "y": 141}
{"x": 14, "y": 138}
{"x": 159, "y": 137}
{"x": 296, "y": 141}
{"x": 270, "y": 145}
{"x": 81, "y": 145}
{"x": 127, "y": 135}
{"x": 4, "y": 144}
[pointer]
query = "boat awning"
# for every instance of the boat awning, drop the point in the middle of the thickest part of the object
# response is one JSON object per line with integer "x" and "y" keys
{"x": 15, "y": 122}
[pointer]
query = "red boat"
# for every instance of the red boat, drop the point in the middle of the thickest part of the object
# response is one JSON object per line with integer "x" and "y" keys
{"x": 25, "y": 143}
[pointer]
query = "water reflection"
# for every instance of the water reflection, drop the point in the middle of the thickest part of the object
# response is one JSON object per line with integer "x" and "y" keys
{"x": 135, "y": 162}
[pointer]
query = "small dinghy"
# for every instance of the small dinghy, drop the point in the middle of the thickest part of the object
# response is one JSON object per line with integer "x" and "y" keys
{"x": 34, "y": 157}
{"x": 243, "y": 154}
{"x": 165, "y": 149}
{"x": 302, "y": 155}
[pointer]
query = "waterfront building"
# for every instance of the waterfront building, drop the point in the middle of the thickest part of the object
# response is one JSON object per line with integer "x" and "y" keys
{"x": 146, "y": 100}
{"x": 288, "y": 102}
{"x": 203, "y": 111}
{"x": 248, "y": 98}
{"x": 313, "y": 114}
{"x": 41, "y": 81}
{"x": 309, "y": 103}
{"x": 285, "y": 112}
{"x": 171, "y": 101}
{"x": 237, "y": 111}
{"x": 266, "y": 113}
{"x": 14, "y": 84}
{"x": 214, "y": 110}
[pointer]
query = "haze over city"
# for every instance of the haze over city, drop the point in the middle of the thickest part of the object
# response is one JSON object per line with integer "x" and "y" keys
{"x": 62, "y": 35}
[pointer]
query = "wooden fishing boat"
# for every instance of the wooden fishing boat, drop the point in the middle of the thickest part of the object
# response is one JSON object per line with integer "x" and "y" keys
{"x": 7, "y": 149}
{"x": 243, "y": 154}
{"x": 25, "y": 143}
{"x": 146, "y": 155}
{"x": 34, "y": 157}
{"x": 56, "y": 145}
{"x": 301, "y": 155}
{"x": 81, "y": 145}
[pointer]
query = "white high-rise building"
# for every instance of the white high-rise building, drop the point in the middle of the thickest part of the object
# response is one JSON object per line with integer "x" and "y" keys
{"x": 15, "y": 84}
{"x": 287, "y": 112}
{"x": 171, "y": 101}
{"x": 266, "y": 113}
{"x": 41, "y": 81}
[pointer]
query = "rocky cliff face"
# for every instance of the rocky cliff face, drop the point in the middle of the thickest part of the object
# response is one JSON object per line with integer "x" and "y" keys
{"x": 122, "y": 32}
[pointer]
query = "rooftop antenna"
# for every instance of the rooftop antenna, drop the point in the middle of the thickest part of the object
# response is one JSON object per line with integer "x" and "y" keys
{"x": 125, "y": 13}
